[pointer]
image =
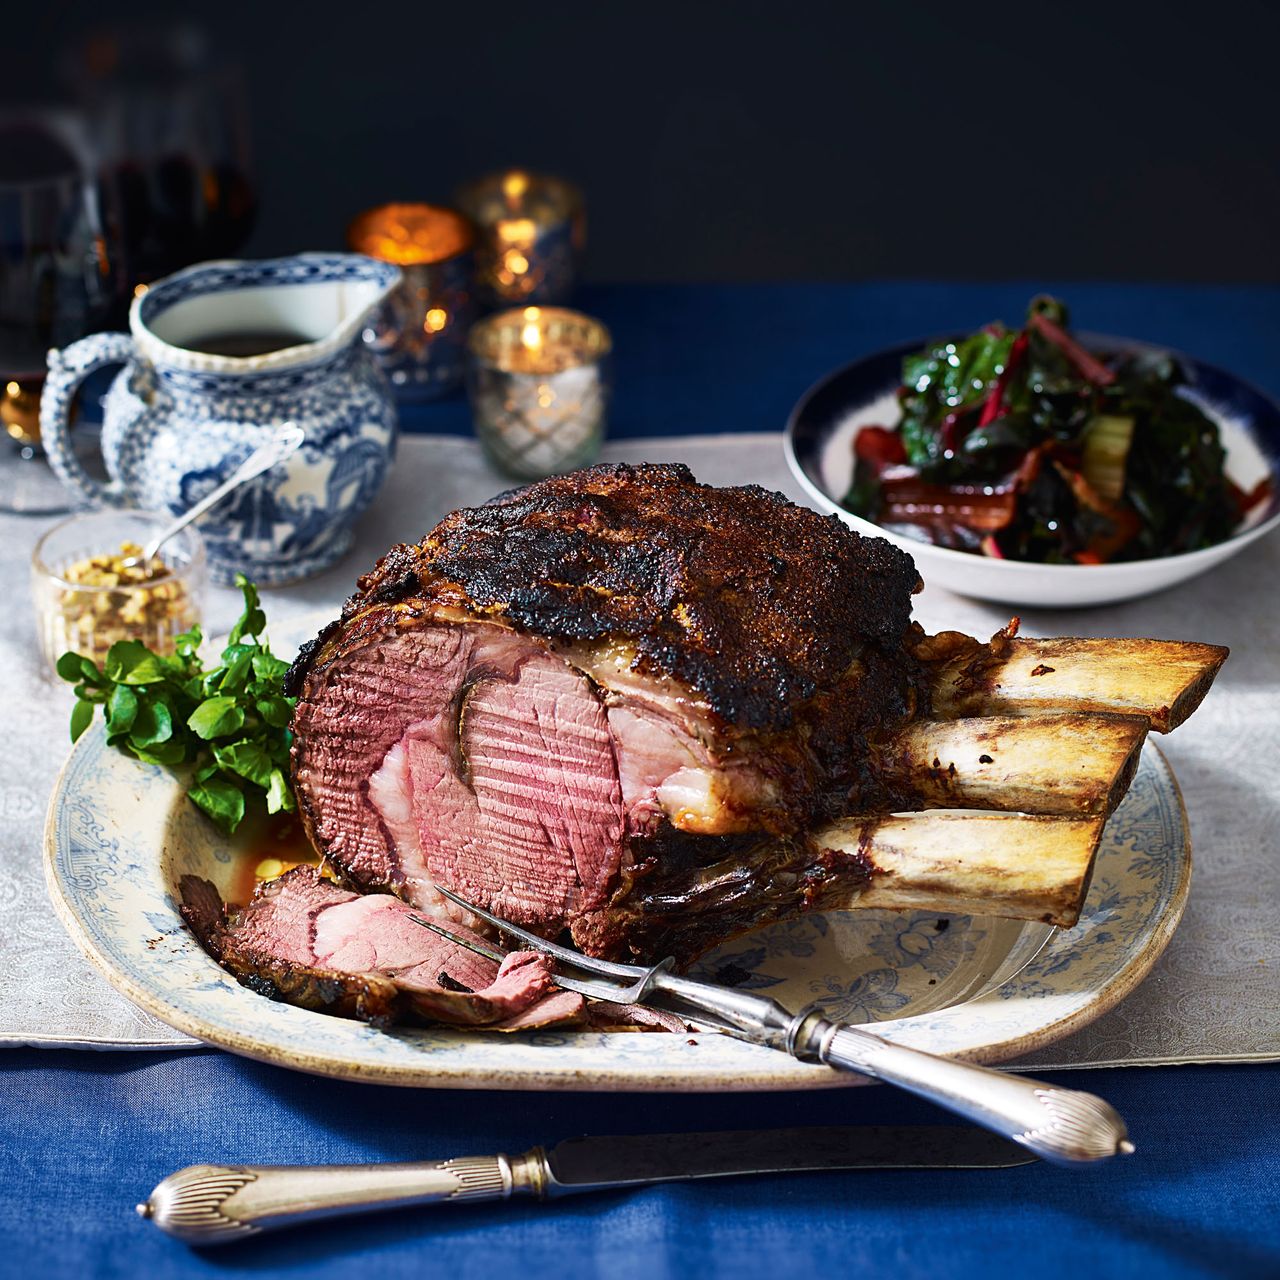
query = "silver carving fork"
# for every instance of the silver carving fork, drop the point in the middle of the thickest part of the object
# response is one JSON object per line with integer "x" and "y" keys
{"x": 1062, "y": 1125}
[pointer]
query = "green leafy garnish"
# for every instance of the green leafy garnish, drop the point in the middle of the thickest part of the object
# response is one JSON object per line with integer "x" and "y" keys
{"x": 230, "y": 722}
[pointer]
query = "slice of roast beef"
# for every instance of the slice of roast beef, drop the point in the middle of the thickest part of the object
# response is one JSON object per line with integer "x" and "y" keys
{"x": 305, "y": 941}
{"x": 569, "y": 704}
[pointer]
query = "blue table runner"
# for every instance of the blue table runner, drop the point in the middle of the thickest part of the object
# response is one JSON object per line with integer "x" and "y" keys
{"x": 85, "y": 1136}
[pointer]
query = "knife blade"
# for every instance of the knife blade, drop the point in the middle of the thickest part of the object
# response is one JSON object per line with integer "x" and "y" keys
{"x": 214, "y": 1204}
{"x": 588, "y": 1164}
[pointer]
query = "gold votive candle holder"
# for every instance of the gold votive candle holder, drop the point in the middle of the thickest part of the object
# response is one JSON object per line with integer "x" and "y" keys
{"x": 531, "y": 233}
{"x": 419, "y": 335}
{"x": 539, "y": 379}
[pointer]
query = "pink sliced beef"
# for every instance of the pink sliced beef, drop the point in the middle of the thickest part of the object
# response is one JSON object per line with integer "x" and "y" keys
{"x": 308, "y": 942}
{"x": 470, "y": 756}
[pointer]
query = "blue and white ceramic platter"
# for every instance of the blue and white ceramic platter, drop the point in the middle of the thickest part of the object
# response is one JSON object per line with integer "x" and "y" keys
{"x": 119, "y": 835}
{"x": 819, "y": 449}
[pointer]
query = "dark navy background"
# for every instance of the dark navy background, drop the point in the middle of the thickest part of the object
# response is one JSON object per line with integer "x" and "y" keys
{"x": 83, "y": 1136}
{"x": 817, "y": 140}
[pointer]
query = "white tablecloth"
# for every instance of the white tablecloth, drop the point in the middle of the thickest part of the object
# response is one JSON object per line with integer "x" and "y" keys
{"x": 1214, "y": 996}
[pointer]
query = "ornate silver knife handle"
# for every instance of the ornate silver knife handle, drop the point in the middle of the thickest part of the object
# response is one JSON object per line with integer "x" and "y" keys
{"x": 1066, "y": 1126}
{"x": 208, "y": 1204}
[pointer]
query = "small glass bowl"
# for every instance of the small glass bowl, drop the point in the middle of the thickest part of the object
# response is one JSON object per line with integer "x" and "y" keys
{"x": 89, "y": 619}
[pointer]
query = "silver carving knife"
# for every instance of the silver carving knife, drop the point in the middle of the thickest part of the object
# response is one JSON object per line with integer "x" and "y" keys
{"x": 215, "y": 1204}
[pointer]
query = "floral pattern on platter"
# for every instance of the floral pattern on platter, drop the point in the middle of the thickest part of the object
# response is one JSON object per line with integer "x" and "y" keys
{"x": 892, "y": 959}
{"x": 119, "y": 835}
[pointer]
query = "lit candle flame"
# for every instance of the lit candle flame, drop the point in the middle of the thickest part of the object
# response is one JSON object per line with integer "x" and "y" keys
{"x": 410, "y": 234}
{"x": 531, "y": 334}
{"x": 514, "y": 185}
{"x": 519, "y": 232}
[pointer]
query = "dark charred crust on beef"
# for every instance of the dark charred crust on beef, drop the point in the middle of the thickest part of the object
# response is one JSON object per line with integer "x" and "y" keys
{"x": 507, "y": 495}
{"x": 296, "y": 676}
{"x": 394, "y": 578}
{"x": 202, "y": 909}
{"x": 450, "y": 983}
{"x": 752, "y": 602}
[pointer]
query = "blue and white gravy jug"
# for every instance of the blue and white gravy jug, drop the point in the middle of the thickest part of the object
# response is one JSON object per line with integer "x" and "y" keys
{"x": 218, "y": 355}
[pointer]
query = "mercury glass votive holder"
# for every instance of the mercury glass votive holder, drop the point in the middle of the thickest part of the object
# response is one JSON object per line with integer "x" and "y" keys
{"x": 419, "y": 335}
{"x": 531, "y": 231}
{"x": 539, "y": 379}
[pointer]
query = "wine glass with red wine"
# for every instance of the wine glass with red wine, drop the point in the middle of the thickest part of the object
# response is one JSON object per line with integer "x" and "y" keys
{"x": 55, "y": 281}
{"x": 168, "y": 126}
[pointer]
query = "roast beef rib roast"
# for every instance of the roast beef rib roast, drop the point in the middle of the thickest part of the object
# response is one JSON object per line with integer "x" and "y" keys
{"x": 652, "y": 714}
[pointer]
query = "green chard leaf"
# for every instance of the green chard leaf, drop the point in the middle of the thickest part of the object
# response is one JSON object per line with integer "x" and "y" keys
{"x": 166, "y": 753}
{"x": 266, "y": 666}
{"x": 236, "y": 670}
{"x": 122, "y": 708}
{"x": 152, "y": 725}
{"x": 920, "y": 441}
{"x": 253, "y": 622}
{"x": 279, "y": 795}
{"x": 187, "y": 645}
{"x": 276, "y": 710}
{"x": 248, "y": 760}
{"x": 77, "y": 669}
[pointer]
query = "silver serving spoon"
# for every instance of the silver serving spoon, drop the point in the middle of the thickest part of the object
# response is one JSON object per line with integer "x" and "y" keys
{"x": 283, "y": 442}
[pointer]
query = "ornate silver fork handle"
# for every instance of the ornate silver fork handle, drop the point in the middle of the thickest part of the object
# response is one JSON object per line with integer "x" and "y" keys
{"x": 1066, "y": 1126}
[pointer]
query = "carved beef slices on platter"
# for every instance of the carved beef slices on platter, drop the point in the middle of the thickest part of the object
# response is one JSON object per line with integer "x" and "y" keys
{"x": 654, "y": 714}
{"x": 309, "y": 942}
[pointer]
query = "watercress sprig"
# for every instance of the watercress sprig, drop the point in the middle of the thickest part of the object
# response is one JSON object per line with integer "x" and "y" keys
{"x": 231, "y": 722}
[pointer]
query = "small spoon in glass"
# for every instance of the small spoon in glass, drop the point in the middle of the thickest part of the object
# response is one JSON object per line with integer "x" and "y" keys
{"x": 283, "y": 442}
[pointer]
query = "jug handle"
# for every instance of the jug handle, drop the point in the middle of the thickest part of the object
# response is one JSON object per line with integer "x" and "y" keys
{"x": 68, "y": 368}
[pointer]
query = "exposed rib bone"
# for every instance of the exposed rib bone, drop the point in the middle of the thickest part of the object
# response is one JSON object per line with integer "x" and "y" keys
{"x": 1163, "y": 680}
{"x": 1002, "y": 864}
{"x": 1025, "y": 867}
{"x": 1054, "y": 764}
